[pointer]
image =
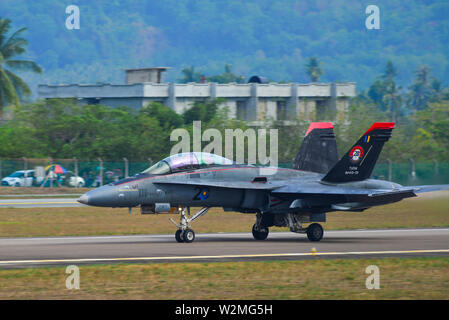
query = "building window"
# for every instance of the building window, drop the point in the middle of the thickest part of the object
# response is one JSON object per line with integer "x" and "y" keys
{"x": 281, "y": 110}
{"x": 241, "y": 110}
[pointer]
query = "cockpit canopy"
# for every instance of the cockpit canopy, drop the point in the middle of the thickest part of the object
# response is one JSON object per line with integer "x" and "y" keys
{"x": 187, "y": 161}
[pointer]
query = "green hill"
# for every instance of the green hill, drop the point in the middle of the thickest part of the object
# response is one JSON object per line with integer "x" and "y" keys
{"x": 264, "y": 37}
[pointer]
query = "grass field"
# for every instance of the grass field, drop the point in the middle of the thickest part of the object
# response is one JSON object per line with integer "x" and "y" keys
{"x": 404, "y": 278}
{"x": 37, "y": 191}
{"x": 428, "y": 210}
{"x": 401, "y": 278}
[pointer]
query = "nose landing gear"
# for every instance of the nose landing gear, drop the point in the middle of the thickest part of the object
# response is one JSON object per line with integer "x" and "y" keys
{"x": 184, "y": 233}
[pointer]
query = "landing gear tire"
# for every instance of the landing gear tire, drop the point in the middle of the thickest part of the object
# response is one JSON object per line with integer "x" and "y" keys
{"x": 184, "y": 233}
{"x": 188, "y": 235}
{"x": 178, "y": 236}
{"x": 315, "y": 232}
{"x": 261, "y": 234}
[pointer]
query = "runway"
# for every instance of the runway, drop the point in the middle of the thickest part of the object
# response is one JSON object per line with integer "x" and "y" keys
{"x": 40, "y": 203}
{"x": 28, "y": 252}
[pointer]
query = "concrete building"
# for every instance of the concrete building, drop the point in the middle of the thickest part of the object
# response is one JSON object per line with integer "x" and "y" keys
{"x": 142, "y": 75}
{"x": 252, "y": 102}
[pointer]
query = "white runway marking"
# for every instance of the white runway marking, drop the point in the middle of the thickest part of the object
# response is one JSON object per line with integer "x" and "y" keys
{"x": 231, "y": 246}
{"x": 267, "y": 255}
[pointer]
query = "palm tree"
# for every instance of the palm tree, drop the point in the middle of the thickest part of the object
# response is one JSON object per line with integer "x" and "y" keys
{"x": 11, "y": 85}
{"x": 313, "y": 69}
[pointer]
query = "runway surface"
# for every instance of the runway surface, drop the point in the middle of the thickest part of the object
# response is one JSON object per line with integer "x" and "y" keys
{"x": 27, "y": 252}
{"x": 40, "y": 203}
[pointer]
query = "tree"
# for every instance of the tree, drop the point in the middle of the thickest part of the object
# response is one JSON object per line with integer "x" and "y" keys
{"x": 420, "y": 90}
{"x": 385, "y": 93}
{"x": 168, "y": 119}
{"x": 12, "y": 87}
{"x": 313, "y": 69}
{"x": 201, "y": 111}
{"x": 390, "y": 71}
{"x": 227, "y": 76}
{"x": 190, "y": 75}
{"x": 392, "y": 101}
{"x": 431, "y": 140}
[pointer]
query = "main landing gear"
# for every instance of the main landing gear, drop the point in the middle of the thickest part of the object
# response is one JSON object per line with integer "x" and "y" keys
{"x": 184, "y": 233}
{"x": 260, "y": 233}
{"x": 315, "y": 232}
{"x": 260, "y": 230}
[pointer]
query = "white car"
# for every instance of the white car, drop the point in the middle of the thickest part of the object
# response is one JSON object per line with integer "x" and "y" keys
{"x": 74, "y": 181}
{"x": 21, "y": 178}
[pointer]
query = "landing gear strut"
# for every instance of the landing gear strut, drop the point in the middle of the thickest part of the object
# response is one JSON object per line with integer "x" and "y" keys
{"x": 314, "y": 231}
{"x": 184, "y": 233}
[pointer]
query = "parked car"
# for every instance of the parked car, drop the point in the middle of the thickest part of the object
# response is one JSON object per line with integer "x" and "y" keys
{"x": 21, "y": 178}
{"x": 73, "y": 181}
{"x": 67, "y": 179}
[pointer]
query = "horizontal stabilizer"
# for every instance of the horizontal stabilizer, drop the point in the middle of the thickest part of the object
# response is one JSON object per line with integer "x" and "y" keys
{"x": 429, "y": 188}
{"x": 342, "y": 194}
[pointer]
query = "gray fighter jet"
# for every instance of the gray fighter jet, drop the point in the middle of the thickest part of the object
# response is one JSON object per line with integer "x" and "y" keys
{"x": 317, "y": 184}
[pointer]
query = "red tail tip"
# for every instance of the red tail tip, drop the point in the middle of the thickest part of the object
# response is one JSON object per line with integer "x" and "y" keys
{"x": 380, "y": 126}
{"x": 319, "y": 125}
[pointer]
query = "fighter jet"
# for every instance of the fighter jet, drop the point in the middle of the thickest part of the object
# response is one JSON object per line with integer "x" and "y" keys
{"x": 317, "y": 184}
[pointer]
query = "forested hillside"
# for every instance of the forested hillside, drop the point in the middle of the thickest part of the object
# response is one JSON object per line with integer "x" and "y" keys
{"x": 265, "y": 37}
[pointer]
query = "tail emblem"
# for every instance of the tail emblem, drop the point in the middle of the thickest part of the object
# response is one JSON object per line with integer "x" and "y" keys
{"x": 356, "y": 154}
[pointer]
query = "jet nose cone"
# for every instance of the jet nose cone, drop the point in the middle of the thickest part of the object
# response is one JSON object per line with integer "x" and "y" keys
{"x": 84, "y": 199}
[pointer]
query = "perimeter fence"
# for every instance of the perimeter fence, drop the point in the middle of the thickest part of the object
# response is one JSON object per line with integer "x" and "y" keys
{"x": 98, "y": 172}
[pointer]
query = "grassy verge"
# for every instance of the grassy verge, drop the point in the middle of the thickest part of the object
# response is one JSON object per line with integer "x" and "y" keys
{"x": 37, "y": 191}
{"x": 431, "y": 210}
{"x": 39, "y": 196}
{"x": 401, "y": 278}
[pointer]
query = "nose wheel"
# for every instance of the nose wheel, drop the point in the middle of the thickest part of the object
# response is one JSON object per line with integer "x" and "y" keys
{"x": 187, "y": 235}
{"x": 184, "y": 233}
{"x": 178, "y": 236}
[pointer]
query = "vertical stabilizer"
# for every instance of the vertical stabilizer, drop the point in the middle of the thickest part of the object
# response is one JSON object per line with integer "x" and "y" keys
{"x": 318, "y": 152}
{"x": 358, "y": 163}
